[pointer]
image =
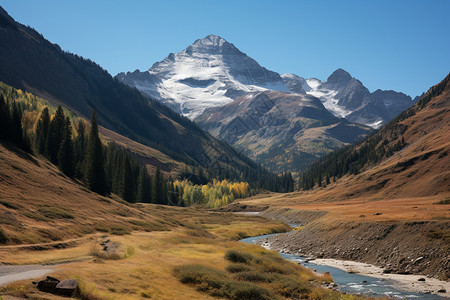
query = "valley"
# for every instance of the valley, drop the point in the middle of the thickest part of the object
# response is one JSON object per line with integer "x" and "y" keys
{"x": 209, "y": 176}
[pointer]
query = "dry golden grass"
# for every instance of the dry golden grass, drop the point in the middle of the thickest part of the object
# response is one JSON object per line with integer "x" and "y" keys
{"x": 148, "y": 271}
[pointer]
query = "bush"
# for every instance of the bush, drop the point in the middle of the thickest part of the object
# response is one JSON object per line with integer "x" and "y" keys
{"x": 238, "y": 257}
{"x": 253, "y": 276}
{"x": 119, "y": 230}
{"x": 236, "y": 268}
{"x": 218, "y": 284}
{"x": 246, "y": 291}
{"x": 197, "y": 273}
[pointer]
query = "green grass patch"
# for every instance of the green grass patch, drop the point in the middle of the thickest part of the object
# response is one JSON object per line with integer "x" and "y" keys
{"x": 52, "y": 212}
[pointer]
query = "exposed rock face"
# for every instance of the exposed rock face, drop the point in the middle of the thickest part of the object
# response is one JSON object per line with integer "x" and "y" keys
{"x": 398, "y": 247}
{"x": 394, "y": 102}
{"x": 211, "y": 72}
{"x": 348, "y": 98}
{"x": 237, "y": 100}
{"x": 282, "y": 130}
{"x": 295, "y": 83}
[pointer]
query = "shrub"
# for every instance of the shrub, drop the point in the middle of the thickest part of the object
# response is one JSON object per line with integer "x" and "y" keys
{"x": 246, "y": 291}
{"x": 197, "y": 273}
{"x": 237, "y": 267}
{"x": 218, "y": 284}
{"x": 253, "y": 276}
{"x": 119, "y": 230}
{"x": 238, "y": 257}
{"x": 55, "y": 212}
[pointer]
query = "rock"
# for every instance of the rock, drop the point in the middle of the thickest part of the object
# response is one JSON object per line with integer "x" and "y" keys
{"x": 364, "y": 281}
{"x": 421, "y": 279}
{"x": 67, "y": 287}
{"x": 442, "y": 291}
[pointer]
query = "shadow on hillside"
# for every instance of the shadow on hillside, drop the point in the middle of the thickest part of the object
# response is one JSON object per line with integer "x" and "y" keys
{"x": 21, "y": 153}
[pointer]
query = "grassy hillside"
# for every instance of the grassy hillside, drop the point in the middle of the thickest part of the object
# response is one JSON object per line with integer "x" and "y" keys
{"x": 150, "y": 251}
{"x": 406, "y": 158}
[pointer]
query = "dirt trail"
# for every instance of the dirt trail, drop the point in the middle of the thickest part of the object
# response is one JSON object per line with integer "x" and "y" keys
{"x": 53, "y": 245}
{"x": 9, "y": 274}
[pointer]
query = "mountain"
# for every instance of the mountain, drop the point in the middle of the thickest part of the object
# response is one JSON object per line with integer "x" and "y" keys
{"x": 211, "y": 72}
{"x": 347, "y": 97}
{"x": 283, "y": 131}
{"x": 406, "y": 158}
{"x": 31, "y": 63}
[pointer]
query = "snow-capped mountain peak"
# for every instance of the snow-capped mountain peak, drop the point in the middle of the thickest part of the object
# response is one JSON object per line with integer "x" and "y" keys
{"x": 210, "y": 72}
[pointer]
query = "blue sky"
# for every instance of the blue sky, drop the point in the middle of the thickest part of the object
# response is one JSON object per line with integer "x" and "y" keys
{"x": 402, "y": 45}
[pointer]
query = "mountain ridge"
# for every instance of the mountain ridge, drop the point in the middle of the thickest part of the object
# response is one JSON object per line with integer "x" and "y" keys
{"x": 32, "y": 63}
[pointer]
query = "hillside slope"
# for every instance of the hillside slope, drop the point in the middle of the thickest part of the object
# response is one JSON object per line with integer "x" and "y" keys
{"x": 390, "y": 208}
{"x": 282, "y": 131}
{"x": 406, "y": 158}
{"x": 29, "y": 62}
{"x": 39, "y": 204}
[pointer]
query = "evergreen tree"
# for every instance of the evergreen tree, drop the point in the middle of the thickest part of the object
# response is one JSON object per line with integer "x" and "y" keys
{"x": 16, "y": 126}
{"x": 158, "y": 187}
{"x": 4, "y": 119}
{"x": 95, "y": 167}
{"x": 127, "y": 188}
{"x": 66, "y": 152}
{"x": 144, "y": 186}
{"x": 42, "y": 132}
{"x": 80, "y": 150}
{"x": 56, "y": 134}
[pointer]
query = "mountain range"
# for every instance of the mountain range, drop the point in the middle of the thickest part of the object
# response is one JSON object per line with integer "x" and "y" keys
{"x": 30, "y": 62}
{"x": 284, "y": 121}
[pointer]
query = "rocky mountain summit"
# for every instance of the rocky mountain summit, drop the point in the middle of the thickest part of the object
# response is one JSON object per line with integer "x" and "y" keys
{"x": 209, "y": 73}
{"x": 347, "y": 97}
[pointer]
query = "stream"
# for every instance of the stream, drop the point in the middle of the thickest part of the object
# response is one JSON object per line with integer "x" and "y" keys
{"x": 351, "y": 282}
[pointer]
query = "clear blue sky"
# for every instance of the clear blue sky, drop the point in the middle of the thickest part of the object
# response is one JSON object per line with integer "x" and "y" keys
{"x": 402, "y": 45}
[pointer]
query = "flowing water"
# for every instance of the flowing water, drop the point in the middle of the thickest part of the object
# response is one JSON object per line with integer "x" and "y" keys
{"x": 353, "y": 283}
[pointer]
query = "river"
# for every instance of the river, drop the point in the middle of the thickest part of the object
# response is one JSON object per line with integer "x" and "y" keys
{"x": 354, "y": 283}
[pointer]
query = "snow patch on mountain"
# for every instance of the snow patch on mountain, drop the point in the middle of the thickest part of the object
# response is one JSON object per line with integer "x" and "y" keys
{"x": 327, "y": 97}
{"x": 211, "y": 72}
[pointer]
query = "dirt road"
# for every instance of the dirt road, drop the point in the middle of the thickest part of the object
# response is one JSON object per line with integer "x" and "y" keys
{"x": 10, "y": 274}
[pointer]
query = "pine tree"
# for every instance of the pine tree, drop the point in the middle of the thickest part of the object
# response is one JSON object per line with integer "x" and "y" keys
{"x": 144, "y": 186}
{"x": 16, "y": 126}
{"x": 126, "y": 183}
{"x": 95, "y": 167}
{"x": 80, "y": 150}
{"x": 4, "y": 119}
{"x": 42, "y": 132}
{"x": 66, "y": 151}
{"x": 56, "y": 134}
{"x": 158, "y": 187}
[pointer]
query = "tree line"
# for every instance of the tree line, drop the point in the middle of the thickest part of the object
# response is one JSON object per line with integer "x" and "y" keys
{"x": 74, "y": 146}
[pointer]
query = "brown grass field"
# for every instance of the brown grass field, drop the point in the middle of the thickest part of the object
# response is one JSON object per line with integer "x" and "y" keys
{"x": 47, "y": 218}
